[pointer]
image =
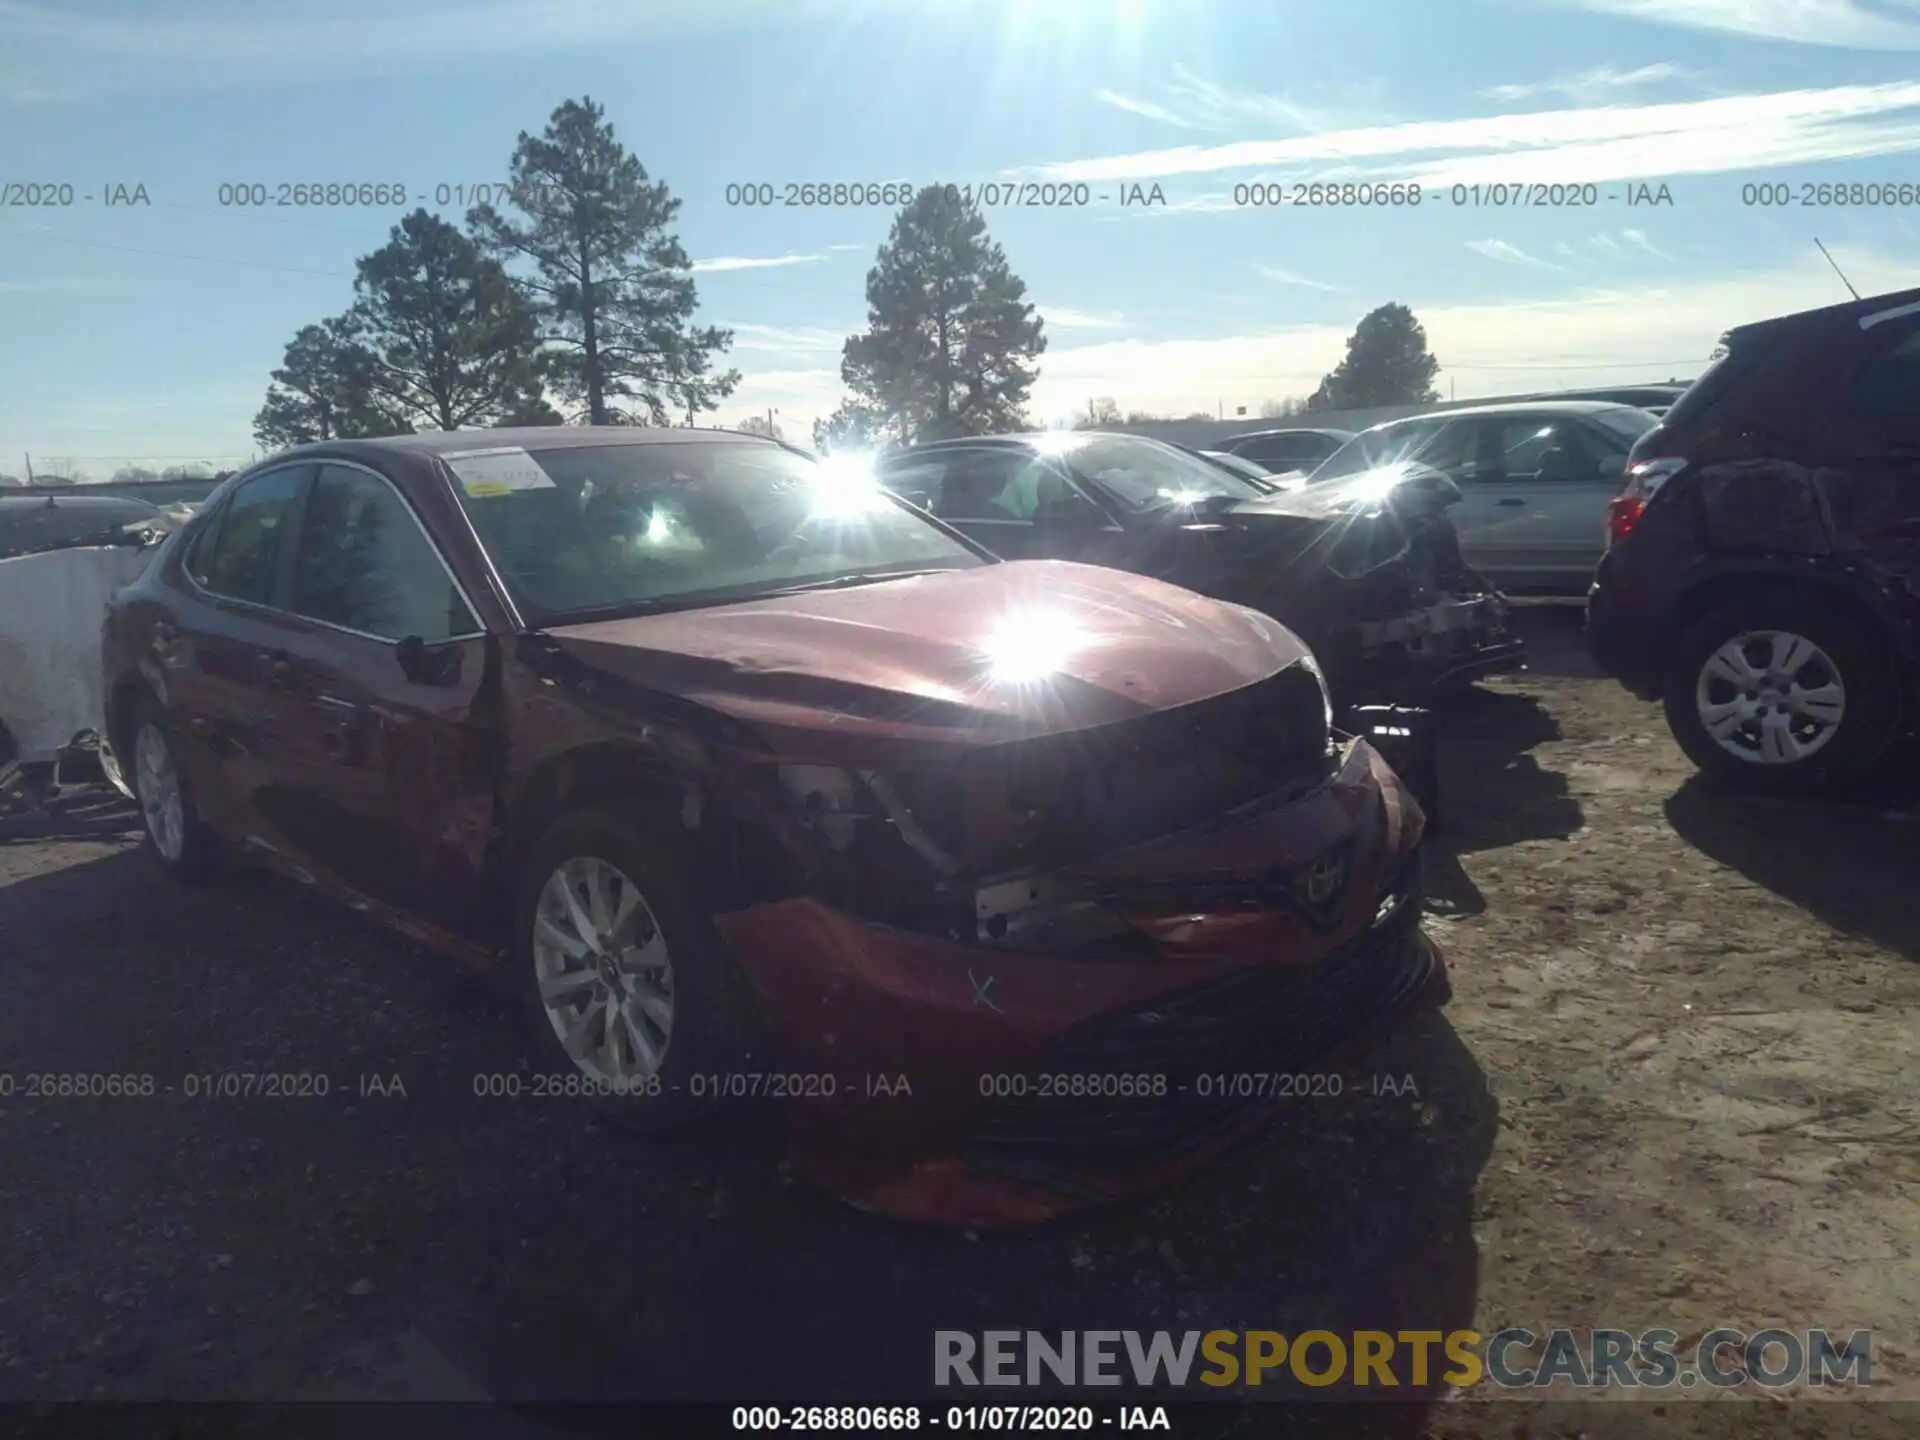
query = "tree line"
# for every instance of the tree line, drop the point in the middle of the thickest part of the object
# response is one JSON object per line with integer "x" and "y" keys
{"x": 952, "y": 346}
{"x": 574, "y": 303}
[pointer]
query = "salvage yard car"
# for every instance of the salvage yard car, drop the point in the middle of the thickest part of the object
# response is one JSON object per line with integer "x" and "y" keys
{"x": 753, "y": 779}
{"x": 1368, "y": 574}
{"x": 1534, "y": 478}
{"x": 1282, "y": 452}
{"x": 1763, "y": 575}
{"x": 61, "y": 557}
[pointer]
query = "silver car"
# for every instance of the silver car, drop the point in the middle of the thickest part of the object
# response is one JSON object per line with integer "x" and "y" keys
{"x": 1534, "y": 478}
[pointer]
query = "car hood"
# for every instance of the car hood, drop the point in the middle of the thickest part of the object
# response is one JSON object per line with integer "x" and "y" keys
{"x": 966, "y": 657}
{"x": 1369, "y": 490}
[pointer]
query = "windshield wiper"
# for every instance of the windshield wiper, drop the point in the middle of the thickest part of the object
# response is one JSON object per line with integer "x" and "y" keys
{"x": 849, "y": 580}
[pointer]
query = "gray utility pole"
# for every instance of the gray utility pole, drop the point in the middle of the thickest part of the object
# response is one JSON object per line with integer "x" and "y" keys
{"x": 29, "y": 460}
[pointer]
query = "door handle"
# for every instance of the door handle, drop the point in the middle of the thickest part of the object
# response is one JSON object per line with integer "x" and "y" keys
{"x": 1510, "y": 500}
{"x": 277, "y": 666}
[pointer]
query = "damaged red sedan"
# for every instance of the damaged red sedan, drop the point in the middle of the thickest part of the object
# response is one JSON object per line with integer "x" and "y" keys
{"x": 755, "y": 781}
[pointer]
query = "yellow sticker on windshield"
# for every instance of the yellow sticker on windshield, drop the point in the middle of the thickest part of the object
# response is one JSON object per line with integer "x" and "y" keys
{"x": 499, "y": 471}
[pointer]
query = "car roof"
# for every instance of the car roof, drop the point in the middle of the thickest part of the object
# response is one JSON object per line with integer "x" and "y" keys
{"x": 1328, "y": 432}
{"x": 81, "y": 504}
{"x": 533, "y": 437}
{"x": 1025, "y": 437}
{"x": 1515, "y": 407}
{"x": 1865, "y": 312}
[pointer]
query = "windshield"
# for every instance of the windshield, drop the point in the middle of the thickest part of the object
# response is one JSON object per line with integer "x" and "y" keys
{"x": 1628, "y": 424}
{"x": 1142, "y": 474}
{"x": 1246, "y": 469}
{"x": 1381, "y": 446}
{"x": 608, "y": 528}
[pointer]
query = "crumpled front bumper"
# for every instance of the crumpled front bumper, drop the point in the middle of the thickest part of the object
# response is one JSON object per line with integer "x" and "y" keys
{"x": 916, "y": 1064}
{"x": 1451, "y": 642}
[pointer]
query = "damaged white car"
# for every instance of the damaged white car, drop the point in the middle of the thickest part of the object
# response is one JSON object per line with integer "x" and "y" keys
{"x": 61, "y": 557}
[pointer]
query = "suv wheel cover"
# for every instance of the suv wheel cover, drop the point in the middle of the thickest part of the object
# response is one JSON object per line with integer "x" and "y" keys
{"x": 1770, "y": 697}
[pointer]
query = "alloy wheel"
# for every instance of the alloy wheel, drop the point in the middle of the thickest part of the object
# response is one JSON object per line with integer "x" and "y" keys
{"x": 1770, "y": 697}
{"x": 157, "y": 783}
{"x": 604, "y": 975}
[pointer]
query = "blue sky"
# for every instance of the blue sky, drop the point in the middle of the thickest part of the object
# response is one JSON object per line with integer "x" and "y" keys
{"x": 114, "y": 343}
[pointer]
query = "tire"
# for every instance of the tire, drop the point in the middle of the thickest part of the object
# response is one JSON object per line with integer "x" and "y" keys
{"x": 1824, "y": 727}
{"x": 710, "y": 1026}
{"x": 177, "y": 838}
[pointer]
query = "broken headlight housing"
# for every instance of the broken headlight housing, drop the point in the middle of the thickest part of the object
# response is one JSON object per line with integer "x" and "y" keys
{"x": 1312, "y": 667}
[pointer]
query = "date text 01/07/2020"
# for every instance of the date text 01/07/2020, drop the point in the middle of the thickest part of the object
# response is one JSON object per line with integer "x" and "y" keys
{"x": 1350, "y": 194}
{"x": 370, "y": 194}
{"x": 986, "y": 194}
{"x": 1042, "y": 1419}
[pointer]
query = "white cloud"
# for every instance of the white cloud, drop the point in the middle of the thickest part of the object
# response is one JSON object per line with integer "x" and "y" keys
{"x": 361, "y": 34}
{"x": 1638, "y": 239}
{"x": 1592, "y": 85}
{"x": 1195, "y": 103}
{"x": 1590, "y": 336}
{"x": 784, "y": 339}
{"x": 723, "y": 263}
{"x": 1508, "y": 254}
{"x": 1595, "y": 144}
{"x": 1061, "y": 317}
{"x": 1288, "y": 277}
{"x": 1145, "y": 107}
{"x": 1844, "y": 24}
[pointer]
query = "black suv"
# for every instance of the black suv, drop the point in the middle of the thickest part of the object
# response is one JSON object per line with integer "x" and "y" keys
{"x": 1762, "y": 576}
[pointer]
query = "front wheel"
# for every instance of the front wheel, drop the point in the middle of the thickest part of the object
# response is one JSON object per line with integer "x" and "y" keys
{"x": 1782, "y": 696}
{"x": 633, "y": 1001}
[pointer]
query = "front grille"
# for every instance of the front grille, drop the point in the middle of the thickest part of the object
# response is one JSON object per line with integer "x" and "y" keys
{"x": 1258, "y": 1022}
{"x": 1059, "y": 798}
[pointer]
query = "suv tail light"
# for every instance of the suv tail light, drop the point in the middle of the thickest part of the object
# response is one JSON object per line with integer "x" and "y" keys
{"x": 1643, "y": 477}
{"x": 1623, "y": 513}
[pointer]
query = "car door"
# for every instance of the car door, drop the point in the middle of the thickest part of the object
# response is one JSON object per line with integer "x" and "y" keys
{"x": 991, "y": 494}
{"x": 388, "y": 789}
{"x": 216, "y": 642}
{"x": 1534, "y": 507}
{"x": 1868, "y": 438}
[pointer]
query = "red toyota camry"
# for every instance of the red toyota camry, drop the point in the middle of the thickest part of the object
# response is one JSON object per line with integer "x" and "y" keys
{"x": 760, "y": 785}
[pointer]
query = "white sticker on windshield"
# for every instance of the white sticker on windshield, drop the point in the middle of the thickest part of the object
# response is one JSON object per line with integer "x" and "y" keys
{"x": 499, "y": 472}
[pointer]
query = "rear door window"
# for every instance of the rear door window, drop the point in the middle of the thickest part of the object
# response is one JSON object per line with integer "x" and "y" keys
{"x": 1535, "y": 449}
{"x": 239, "y": 555}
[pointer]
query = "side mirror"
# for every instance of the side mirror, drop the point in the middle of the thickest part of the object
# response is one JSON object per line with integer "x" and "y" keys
{"x": 425, "y": 665}
{"x": 1613, "y": 468}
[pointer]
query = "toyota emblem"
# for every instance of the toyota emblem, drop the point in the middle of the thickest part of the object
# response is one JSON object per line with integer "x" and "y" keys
{"x": 1323, "y": 881}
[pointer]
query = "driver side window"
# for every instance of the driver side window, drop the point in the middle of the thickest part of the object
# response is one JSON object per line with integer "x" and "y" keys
{"x": 999, "y": 484}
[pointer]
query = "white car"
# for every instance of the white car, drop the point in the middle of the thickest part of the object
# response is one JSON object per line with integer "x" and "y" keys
{"x": 1535, "y": 479}
{"x": 61, "y": 557}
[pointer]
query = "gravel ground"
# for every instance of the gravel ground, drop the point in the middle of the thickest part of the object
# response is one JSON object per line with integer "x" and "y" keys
{"x": 1673, "y": 1089}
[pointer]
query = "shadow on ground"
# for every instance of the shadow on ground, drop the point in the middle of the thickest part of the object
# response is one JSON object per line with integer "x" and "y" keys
{"x": 1493, "y": 790}
{"x": 254, "y": 1243}
{"x": 1848, "y": 865}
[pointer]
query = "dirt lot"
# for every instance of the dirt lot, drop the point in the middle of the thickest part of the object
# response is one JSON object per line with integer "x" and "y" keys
{"x": 1673, "y": 1089}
